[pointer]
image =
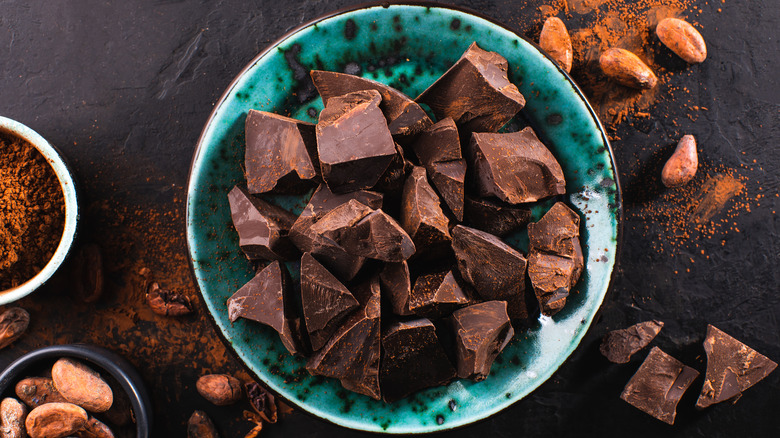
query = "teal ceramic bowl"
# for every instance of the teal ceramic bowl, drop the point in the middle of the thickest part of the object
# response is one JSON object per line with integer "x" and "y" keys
{"x": 408, "y": 47}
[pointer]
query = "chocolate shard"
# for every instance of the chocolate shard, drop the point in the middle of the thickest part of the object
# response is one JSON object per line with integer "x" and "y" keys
{"x": 354, "y": 144}
{"x": 421, "y": 214}
{"x": 413, "y": 359}
{"x": 475, "y": 92}
{"x": 262, "y": 227}
{"x": 481, "y": 333}
{"x": 404, "y": 116}
{"x": 555, "y": 261}
{"x": 266, "y": 299}
{"x": 352, "y": 354}
{"x": 732, "y": 367}
{"x": 494, "y": 217}
{"x": 618, "y": 345}
{"x": 392, "y": 181}
{"x": 449, "y": 178}
{"x": 325, "y": 301}
{"x": 515, "y": 167}
{"x": 495, "y": 269}
{"x": 397, "y": 286}
{"x": 277, "y": 148}
{"x": 658, "y": 385}
{"x": 437, "y": 295}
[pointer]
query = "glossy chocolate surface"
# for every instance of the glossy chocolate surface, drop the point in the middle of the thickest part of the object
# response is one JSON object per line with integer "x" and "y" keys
{"x": 481, "y": 333}
{"x": 262, "y": 227}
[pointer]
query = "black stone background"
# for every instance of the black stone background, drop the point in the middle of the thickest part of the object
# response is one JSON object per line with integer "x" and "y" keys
{"x": 125, "y": 87}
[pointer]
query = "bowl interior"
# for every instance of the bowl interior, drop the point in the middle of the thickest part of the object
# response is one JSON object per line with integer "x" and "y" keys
{"x": 408, "y": 47}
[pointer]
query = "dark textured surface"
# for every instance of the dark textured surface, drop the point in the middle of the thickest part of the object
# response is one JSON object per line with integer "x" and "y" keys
{"x": 124, "y": 88}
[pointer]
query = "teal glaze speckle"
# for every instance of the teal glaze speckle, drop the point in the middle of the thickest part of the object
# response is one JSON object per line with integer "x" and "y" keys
{"x": 409, "y": 56}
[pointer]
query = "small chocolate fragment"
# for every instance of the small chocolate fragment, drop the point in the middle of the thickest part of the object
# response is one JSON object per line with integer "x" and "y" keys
{"x": 481, "y": 333}
{"x": 413, "y": 359}
{"x": 421, "y": 214}
{"x": 619, "y": 345}
{"x": 658, "y": 385}
{"x": 495, "y": 217}
{"x": 515, "y": 167}
{"x": 732, "y": 367}
{"x": 262, "y": 227}
{"x": 496, "y": 270}
{"x": 475, "y": 92}
{"x": 265, "y": 299}
{"x": 276, "y": 148}
{"x": 396, "y": 286}
{"x": 391, "y": 183}
{"x": 352, "y": 353}
{"x": 326, "y": 301}
{"x": 354, "y": 144}
{"x": 404, "y": 116}
{"x": 437, "y": 295}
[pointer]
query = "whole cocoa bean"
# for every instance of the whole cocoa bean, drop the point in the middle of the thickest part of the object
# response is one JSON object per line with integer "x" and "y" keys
{"x": 87, "y": 273}
{"x": 55, "y": 420}
{"x": 13, "y": 323}
{"x": 555, "y": 40}
{"x": 35, "y": 391}
{"x": 682, "y": 39}
{"x": 81, "y": 385}
{"x": 220, "y": 389}
{"x": 167, "y": 303}
{"x": 12, "y": 413}
{"x": 201, "y": 426}
{"x": 681, "y": 166}
{"x": 95, "y": 429}
{"x": 627, "y": 69}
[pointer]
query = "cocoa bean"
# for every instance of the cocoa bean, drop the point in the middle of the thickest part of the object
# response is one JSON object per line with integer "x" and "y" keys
{"x": 555, "y": 40}
{"x": 627, "y": 69}
{"x": 201, "y": 426}
{"x": 262, "y": 401}
{"x": 682, "y": 39}
{"x": 220, "y": 389}
{"x": 681, "y": 166}
{"x": 167, "y": 303}
{"x": 95, "y": 429}
{"x": 35, "y": 391}
{"x": 12, "y": 414}
{"x": 87, "y": 273}
{"x": 81, "y": 385}
{"x": 55, "y": 420}
{"x": 13, "y": 323}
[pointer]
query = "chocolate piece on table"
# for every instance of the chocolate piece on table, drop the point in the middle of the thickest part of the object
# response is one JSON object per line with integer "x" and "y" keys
{"x": 396, "y": 286}
{"x": 475, "y": 92}
{"x": 262, "y": 227}
{"x": 421, "y": 214}
{"x": 514, "y": 167}
{"x": 325, "y": 301}
{"x": 619, "y": 345}
{"x": 266, "y": 299}
{"x": 392, "y": 181}
{"x": 658, "y": 385}
{"x": 494, "y": 217}
{"x": 354, "y": 144}
{"x": 413, "y": 359}
{"x": 481, "y": 333}
{"x": 278, "y": 148}
{"x": 352, "y": 353}
{"x": 732, "y": 367}
{"x": 404, "y": 116}
{"x": 437, "y": 295}
{"x": 495, "y": 269}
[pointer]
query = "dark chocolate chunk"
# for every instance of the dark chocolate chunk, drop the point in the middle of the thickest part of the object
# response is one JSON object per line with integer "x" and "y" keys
{"x": 354, "y": 144}
{"x": 732, "y": 367}
{"x": 557, "y": 232}
{"x": 437, "y": 295}
{"x": 262, "y": 227}
{"x": 481, "y": 333}
{"x": 404, "y": 116}
{"x": 450, "y": 180}
{"x": 325, "y": 301}
{"x": 475, "y": 92}
{"x": 352, "y": 353}
{"x": 397, "y": 287}
{"x": 551, "y": 277}
{"x": 495, "y": 269}
{"x": 495, "y": 217}
{"x": 413, "y": 359}
{"x": 392, "y": 181}
{"x": 276, "y": 148}
{"x": 515, "y": 167}
{"x": 619, "y": 345}
{"x": 658, "y": 385}
{"x": 266, "y": 299}
{"x": 421, "y": 214}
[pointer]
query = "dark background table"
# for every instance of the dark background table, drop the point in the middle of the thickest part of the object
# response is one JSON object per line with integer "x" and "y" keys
{"x": 124, "y": 88}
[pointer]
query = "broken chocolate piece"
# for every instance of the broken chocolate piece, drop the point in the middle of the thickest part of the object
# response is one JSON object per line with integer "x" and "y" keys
{"x": 481, "y": 333}
{"x": 391, "y": 183}
{"x": 276, "y": 148}
{"x": 515, "y": 167}
{"x": 551, "y": 277}
{"x": 493, "y": 217}
{"x": 557, "y": 232}
{"x": 475, "y": 92}
{"x": 404, "y": 116}
{"x": 732, "y": 367}
{"x": 619, "y": 345}
{"x": 658, "y": 385}
{"x": 421, "y": 214}
{"x": 262, "y": 227}
{"x": 437, "y": 295}
{"x": 354, "y": 144}
{"x": 325, "y": 300}
{"x": 413, "y": 359}
{"x": 397, "y": 287}
{"x": 352, "y": 353}
{"x": 265, "y": 299}
{"x": 495, "y": 269}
